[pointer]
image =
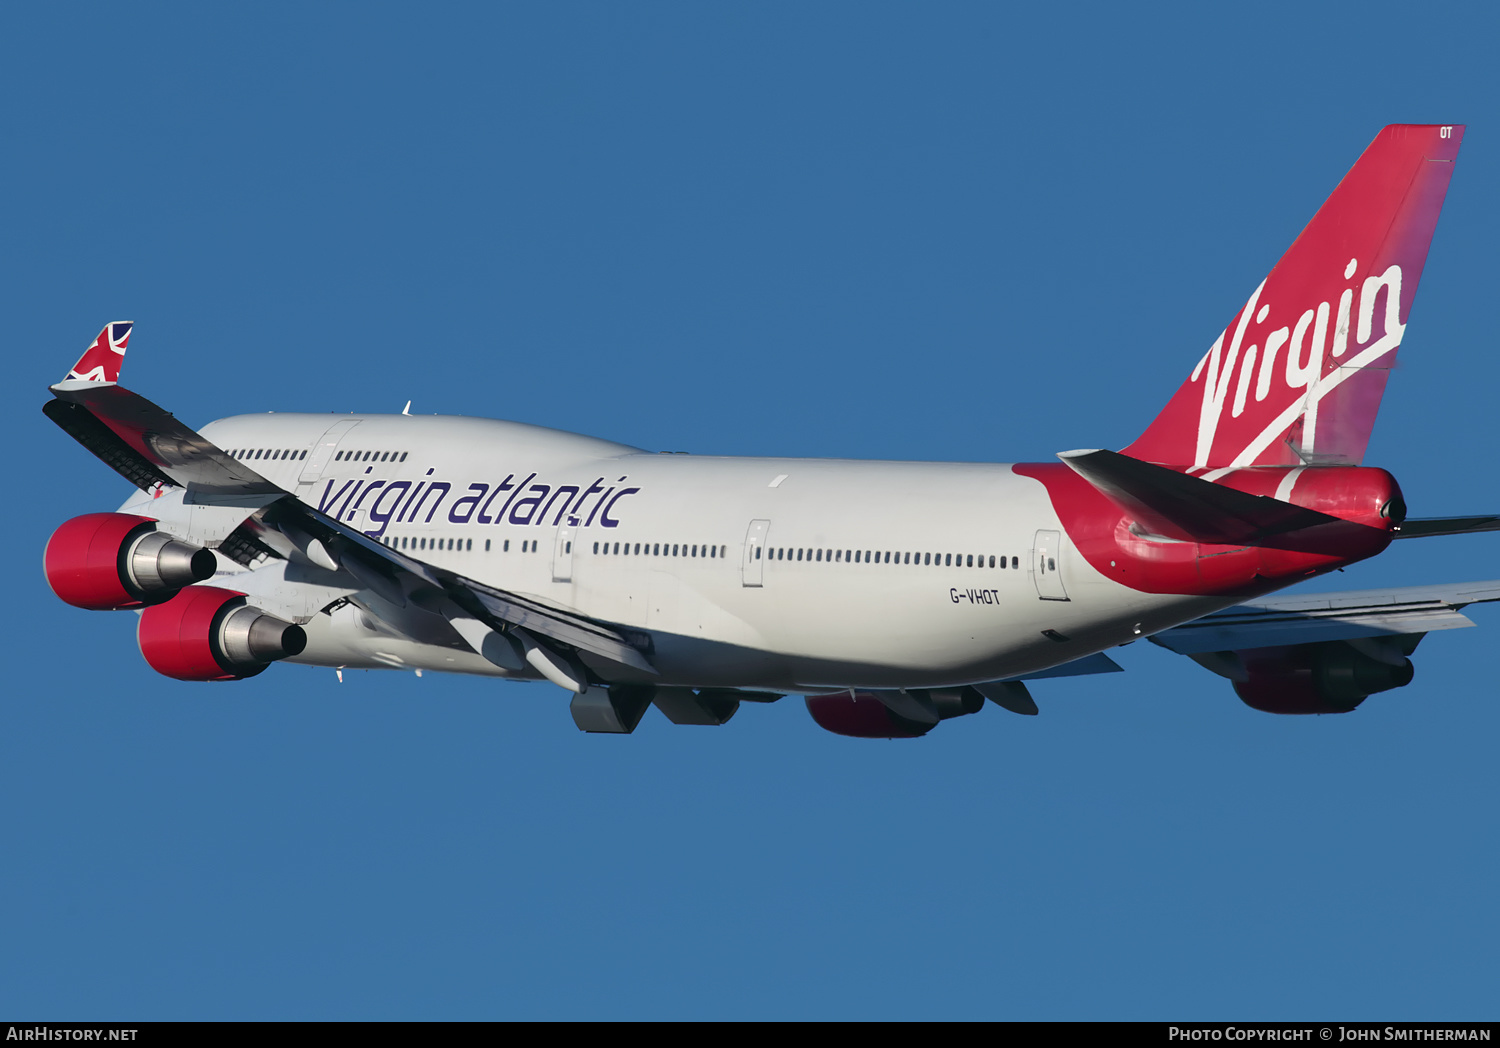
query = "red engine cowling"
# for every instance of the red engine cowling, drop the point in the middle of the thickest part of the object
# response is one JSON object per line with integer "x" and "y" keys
{"x": 109, "y": 561}
{"x": 207, "y": 633}
{"x": 863, "y": 716}
{"x": 1316, "y": 678}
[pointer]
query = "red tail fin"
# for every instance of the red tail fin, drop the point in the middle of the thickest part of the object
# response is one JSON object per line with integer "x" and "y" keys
{"x": 1296, "y": 378}
{"x": 101, "y": 361}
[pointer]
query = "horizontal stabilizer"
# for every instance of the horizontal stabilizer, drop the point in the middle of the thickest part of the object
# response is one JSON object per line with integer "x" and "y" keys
{"x": 1177, "y": 506}
{"x": 1432, "y": 527}
{"x": 1330, "y": 617}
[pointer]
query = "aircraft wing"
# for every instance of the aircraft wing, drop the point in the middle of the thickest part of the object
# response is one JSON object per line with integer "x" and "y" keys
{"x": 1314, "y": 618}
{"x": 1324, "y": 652}
{"x": 148, "y": 446}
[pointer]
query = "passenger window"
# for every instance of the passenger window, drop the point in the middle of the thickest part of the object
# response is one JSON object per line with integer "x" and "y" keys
{"x": 486, "y": 545}
{"x": 403, "y": 456}
{"x": 505, "y": 546}
{"x": 970, "y": 564}
{"x": 470, "y": 545}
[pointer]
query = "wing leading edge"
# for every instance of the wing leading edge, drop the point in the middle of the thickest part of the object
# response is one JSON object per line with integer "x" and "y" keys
{"x": 149, "y": 446}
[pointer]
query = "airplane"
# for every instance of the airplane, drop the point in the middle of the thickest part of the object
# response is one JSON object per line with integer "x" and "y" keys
{"x": 891, "y": 595}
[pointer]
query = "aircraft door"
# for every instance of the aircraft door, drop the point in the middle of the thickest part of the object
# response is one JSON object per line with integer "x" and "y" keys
{"x": 322, "y": 454}
{"x": 562, "y": 553}
{"x": 1046, "y": 566}
{"x": 753, "y": 566}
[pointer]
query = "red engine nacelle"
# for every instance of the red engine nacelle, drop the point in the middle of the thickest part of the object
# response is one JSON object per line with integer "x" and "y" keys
{"x": 109, "y": 561}
{"x": 207, "y": 633}
{"x": 1316, "y": 678}
{"x": 863, "y": 716}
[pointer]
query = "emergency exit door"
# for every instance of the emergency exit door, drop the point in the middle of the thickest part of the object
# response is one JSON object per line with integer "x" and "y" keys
{"x": 1046, "y": 566}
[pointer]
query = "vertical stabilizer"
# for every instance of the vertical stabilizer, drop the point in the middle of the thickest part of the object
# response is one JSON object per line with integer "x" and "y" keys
{"x": 1297, "y": 376}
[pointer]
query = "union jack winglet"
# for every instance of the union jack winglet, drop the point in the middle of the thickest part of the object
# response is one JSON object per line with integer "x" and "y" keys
{"x": 101, "y": 361}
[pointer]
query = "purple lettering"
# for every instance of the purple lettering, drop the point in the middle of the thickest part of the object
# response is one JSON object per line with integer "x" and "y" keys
{"x": 594, "y": 488}
{"x": 325, "y": 502}
{"x": 441, "y": 495}
{"x": 473, "y": 502}
{"x": 606, "y": 519}
{"x": 500, "y": 517}
{"x": 504, "y": 485}
{"x": 530, "y": 500}
{"x": 399, "y": 487}
{"x": 572, "y": 490}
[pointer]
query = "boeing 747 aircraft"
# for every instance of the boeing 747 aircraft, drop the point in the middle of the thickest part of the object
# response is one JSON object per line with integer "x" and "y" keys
{"x": 893, "y": 595}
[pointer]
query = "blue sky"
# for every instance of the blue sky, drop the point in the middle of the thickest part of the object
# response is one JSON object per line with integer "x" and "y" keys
{"x": 938, "y": 232}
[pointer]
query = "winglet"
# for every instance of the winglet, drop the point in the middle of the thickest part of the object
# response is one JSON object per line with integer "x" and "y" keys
{"x": 101, "y": 361}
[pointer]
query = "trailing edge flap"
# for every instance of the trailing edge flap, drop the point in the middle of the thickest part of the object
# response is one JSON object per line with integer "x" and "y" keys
{"x": 1320, "y": 617}
{"x": 1009, "y": 695}
{"x": 1177, "y": 506}
{"x": 1431, "y": 527}
{"x": 149, "y": 443}
{"x": 148, "y": 446}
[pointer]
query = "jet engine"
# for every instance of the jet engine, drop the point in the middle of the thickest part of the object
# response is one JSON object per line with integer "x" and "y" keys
{"x": 864, "y": 715}
{"x": 206, "y": 633}
{"x": 1332, "y": 677}
{"x": 109, "y": 561}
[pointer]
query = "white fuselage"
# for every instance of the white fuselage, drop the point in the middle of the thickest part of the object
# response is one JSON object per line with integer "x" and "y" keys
{"x": 790, "y": 574}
